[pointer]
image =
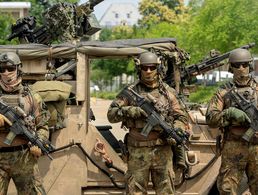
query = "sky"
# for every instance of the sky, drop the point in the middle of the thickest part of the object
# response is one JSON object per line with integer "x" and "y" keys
{"x": 100, "y": 9}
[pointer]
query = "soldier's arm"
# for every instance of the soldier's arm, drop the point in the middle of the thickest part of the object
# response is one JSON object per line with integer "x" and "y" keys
{"x": 41, "y": 117}
{"x": 214, "y": 114}
{"x": 114, "y": 113}
{"x": 178, "y": 112}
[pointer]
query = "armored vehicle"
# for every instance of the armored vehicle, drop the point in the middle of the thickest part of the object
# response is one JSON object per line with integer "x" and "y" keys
{"x": 87, "y": 159}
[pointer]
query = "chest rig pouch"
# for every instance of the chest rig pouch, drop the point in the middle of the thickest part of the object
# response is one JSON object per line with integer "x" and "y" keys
{"x": 15, "y": 100}
{"x": 159, "y": 98}
{"x": 248, "y": 92}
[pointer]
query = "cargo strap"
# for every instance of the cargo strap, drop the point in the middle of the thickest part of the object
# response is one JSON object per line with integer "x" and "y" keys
{"x": 149, "y": 143}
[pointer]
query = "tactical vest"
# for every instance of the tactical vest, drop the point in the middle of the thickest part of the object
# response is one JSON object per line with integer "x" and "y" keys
{"x": 248, "y": 92}
{"x": 163, "y": 105}
{"x": 21, "y": 98}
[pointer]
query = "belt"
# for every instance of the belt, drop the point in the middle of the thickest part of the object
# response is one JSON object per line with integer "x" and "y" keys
{"x": 14, "y": 148}
{"x": 149, "y": 143}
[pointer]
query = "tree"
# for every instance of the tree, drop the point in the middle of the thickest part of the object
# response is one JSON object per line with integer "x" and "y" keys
{"x": 153, "y": 12}
{"x": 5, "y": 26}
{"x": 222, "y": 25}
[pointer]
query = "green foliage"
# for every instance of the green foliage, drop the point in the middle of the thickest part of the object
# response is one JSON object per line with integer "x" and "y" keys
{"x": 105, "y": 95}
{"x": 223, "y": 25}
{"x": 5, "y": 26}
{"x": 172, "y": 4}
{"x": 103, "y": 70}
{"x": 203, "y": 94}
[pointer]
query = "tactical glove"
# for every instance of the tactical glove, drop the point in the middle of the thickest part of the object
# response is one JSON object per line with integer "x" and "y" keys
{"x": 235, "y": 116}
{"x": 133, "y": 112}
{"x": 4, "y": 120}
{"x": 35, "y": 151}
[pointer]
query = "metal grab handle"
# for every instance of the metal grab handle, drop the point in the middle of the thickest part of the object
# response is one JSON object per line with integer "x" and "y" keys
{"x": 191, "y": 158}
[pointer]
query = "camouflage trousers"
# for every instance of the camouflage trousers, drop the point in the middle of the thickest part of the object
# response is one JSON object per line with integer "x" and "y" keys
{"x": 238, "y": 157}
{"x": 22, "y": 167}
{"x": 142, "y": 162}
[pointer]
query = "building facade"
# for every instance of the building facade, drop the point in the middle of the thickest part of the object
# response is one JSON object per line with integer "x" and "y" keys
{"x": 16, "y": 9}
{"x": 120, "y": 14}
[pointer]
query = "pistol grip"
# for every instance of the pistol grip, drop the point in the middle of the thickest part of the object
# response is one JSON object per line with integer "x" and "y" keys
{"x": 9, "y": 138}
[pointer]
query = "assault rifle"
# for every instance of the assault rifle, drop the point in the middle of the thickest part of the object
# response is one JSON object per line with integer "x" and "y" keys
{"x": 188, "y": 72}
{"x": 23, "y": 125}
{"x": 154, "y": 118}
{"x": 251, "y": 111}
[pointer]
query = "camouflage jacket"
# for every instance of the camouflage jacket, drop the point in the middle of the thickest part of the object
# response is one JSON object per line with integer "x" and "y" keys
{"x": 221, "y": 101}
{"x": 33, "y": 105}
{"x": 170, "y": 107}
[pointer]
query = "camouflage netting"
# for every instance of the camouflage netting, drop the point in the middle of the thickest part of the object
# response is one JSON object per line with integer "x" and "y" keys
{"x": 94, "y": 49}
{"x": 60, "y": 20}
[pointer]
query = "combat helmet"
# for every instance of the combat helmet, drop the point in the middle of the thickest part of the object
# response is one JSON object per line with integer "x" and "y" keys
{"x": 148, "y": 58}
{"x": 240, "y": 55}
{"x": 10, "y": 59}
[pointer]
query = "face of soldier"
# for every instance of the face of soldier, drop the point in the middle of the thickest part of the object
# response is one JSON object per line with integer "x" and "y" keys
{"x": 149, "y": 75}
{"x": 241, "y": 72}
{"x": 8, "y": 74}
{"x": 9, "y": 79}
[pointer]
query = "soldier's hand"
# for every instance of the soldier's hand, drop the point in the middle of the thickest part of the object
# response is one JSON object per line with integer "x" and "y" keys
{"x": 235, "y": 116}
{"x": 35, "y": 151}
{"x": 4, "y": 120}
{"x": 133, "y": 112}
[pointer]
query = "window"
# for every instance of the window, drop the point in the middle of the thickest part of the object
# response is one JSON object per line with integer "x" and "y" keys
{"x": 116, "y": 15}
{"x": 128, "y": 15}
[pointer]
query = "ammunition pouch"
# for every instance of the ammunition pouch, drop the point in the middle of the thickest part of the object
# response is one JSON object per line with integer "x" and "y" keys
{"x": 55, "y": 95}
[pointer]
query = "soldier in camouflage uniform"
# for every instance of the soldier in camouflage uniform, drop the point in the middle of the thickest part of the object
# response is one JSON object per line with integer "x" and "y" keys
{"x": 238, "y": 155}
{"x": 151, "y": 154}
{"x": 19, "y": 160}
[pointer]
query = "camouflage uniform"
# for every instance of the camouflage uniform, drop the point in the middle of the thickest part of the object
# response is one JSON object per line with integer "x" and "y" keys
{"x": 238, "y": 156}
{"x": 152, "y": 154}
{"x": 17, "y": 161}
{"x": 21, "y": 165}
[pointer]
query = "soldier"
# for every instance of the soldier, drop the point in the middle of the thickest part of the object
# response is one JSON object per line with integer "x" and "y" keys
{"x": 238, "y": 155}
{"x": 19, "y": 160}
{"x": 151, "y": 154}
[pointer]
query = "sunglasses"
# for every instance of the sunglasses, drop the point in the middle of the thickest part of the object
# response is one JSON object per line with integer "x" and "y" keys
{"x": 237, "y": 65}
{"x": 8, "y": 68}
{"x": 146, "y": 68}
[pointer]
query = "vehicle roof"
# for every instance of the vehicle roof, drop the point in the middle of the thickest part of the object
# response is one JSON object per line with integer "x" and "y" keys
{"x": 94, "y": 49}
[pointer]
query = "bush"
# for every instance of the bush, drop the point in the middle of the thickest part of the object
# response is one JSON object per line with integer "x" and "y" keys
{"x": 105, "y": 95}
{"x": 203, "y": 94}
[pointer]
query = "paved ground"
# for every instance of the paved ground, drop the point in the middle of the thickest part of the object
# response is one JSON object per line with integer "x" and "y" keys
{"x": 100, "y": 108}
